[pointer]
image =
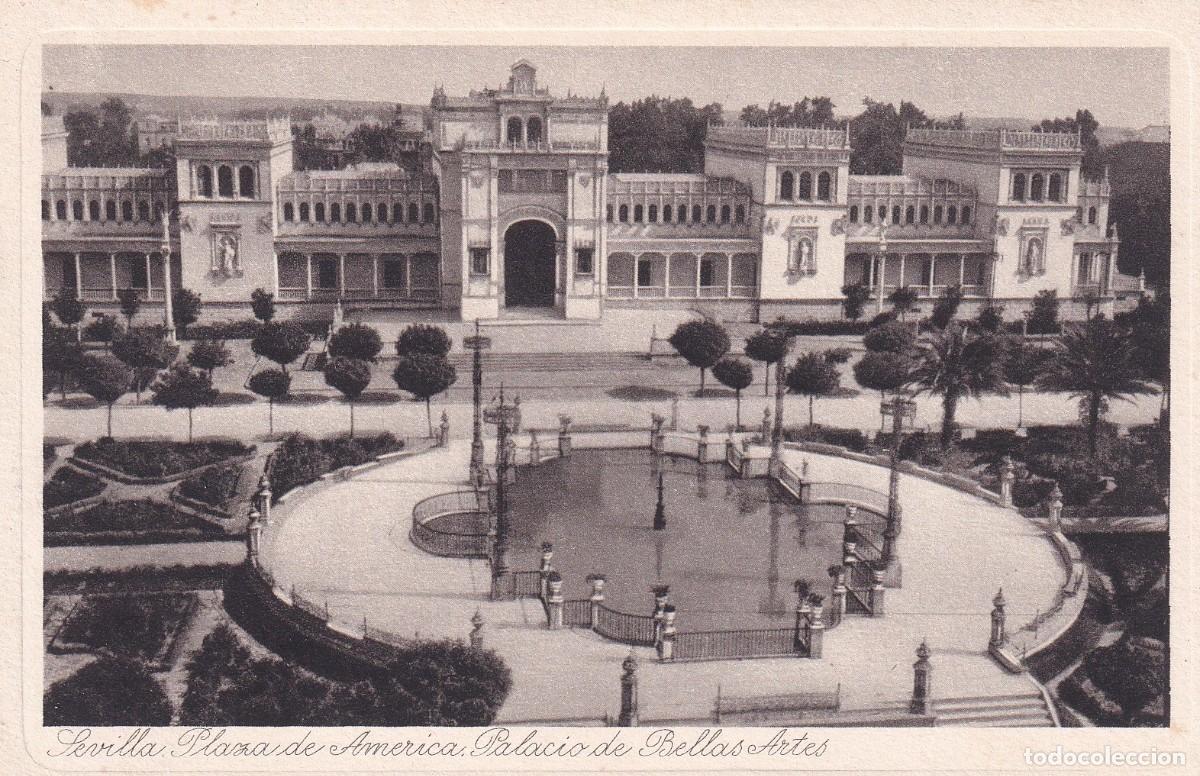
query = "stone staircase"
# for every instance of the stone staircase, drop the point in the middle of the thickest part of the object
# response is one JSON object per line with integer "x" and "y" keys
{"x": 552, "y": 362}
{"x": 1020, "y": 710}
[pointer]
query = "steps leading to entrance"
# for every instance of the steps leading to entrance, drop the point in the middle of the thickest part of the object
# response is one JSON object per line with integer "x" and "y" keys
{"x": 1021, "y": 710}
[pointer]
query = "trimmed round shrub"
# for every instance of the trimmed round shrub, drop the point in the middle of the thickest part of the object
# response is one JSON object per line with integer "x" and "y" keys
{"x": 890, "y": 337}
{"x": 423, "y": 338}
{"x": 358, "y": 341}
{"x": 280, "y": 341}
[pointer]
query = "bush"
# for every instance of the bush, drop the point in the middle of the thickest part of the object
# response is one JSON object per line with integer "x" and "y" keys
{"x": 946, "y": 306}
{"x": 890, "y": 337}
{"x": 67, "y": 308}
{"x": 850, "y": 438}
{"x": 224, "y": 330}
{"x": 423, "y": 338}
{"x": 262, "y": 303}
{"x": 882, "y": 371}
{"x": 280, "y": 342}
{"x": 887, "y": 316}
{"x": 838, "y": 355}
{"x": 136, "y": 626}
{"x": 138, "y": 579}
{"x": 857, "y": 296}
{"x": 1079, "y": 692}
{"x": 990, "y": 319}
{"x": 104, "y": 328}
{"x": 215, "y": 486}
{"x": 127, "y": 522}
{"x": 69, "y": 485}
{"x": 1131, "y": 672}
{"x": 1043, "y": 316}
{"x": 110, "y": 691}
{"x": 209, "y": 354}
{"x": 158, "y": 459}
{"x": 813, "y": 328}
{"x": 356, "y": 341}
{"x": 300, "y": 460}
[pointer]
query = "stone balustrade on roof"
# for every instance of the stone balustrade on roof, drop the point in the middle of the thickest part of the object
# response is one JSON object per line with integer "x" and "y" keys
{"x": 103, "y": 178}
{"x": 907, "y": 185}
{"x": 995, "y": 139}
{"x": 782, "y": 137}
{"x": 274, "y": 129}
{"x": 673, "y": 183}
{"x": 364, "y": 178}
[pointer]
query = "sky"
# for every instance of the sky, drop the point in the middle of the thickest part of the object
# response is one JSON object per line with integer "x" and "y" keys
{"x": 1121, "y": 86}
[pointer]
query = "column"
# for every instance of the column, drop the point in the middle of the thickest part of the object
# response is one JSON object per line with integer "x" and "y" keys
{"x": 667, "y": 276}
{"x": 149, "y": 277}
{"x": 699, "y": 261}
{"x": 112, "y": 269}
{"x": 78, "y": 276}
{"x": 729, "y": 274}
{"x": 374, "y": 274}
{"x": 870, "y": 271}
{"x": 962, "y": 269}
{"x": 308, "y": 276}
{"x": 637, "y": 263}
{"x": 932, "y": 271}
{"x": 275, "y": 273}
{"x": 407, "y": 275}
{"x": 341, "y": 274}
{"x": 882, "y": 280}
{"x": 168, "y": 313}
{"x": 900, "y": 282}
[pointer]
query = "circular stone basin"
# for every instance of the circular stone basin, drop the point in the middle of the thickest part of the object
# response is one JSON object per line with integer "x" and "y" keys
{"x": 731, "y": 549}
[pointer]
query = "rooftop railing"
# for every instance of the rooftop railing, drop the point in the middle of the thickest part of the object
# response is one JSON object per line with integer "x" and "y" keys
{"x": 271, "y": 129}
{"x": 997, "y": 139}
{"x": 783, "y": 137}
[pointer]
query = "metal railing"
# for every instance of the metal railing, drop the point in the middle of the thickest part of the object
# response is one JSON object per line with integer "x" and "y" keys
{"x": 636, "y": 629}
{"x": 577, "y": 613}
{"x": 844, "y": 493}
{"x": 457, "y": 544}
{"x": 527, "y": 584}
{"x": 716, "y": 645}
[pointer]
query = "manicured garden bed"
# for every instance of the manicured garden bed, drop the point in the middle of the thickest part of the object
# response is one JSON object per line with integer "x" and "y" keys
{"x": 139, "y": 579}
{"x": 155, "y": 459}
{"x": 137, "y": 626}
{"x": 127, "y": 522}
{"x": 299, "y": 460}
{"x": 214, "y": 487}
{"x": 67, "y": 486}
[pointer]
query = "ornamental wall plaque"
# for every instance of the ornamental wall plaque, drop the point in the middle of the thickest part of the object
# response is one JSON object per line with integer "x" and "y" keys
{"x": 838, "y": 226}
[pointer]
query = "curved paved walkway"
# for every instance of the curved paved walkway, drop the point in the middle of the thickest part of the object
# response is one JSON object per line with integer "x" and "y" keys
{"x": 346, "y": 543}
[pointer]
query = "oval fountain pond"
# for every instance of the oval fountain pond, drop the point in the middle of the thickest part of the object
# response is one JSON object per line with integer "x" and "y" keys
{"x": 731, "y": 549}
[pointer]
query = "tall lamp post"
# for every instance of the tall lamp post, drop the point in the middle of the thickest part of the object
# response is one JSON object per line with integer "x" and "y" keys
{"x": 780, "y": 390}
{"x": 168, "y": 313}
{"x": 882, "y": 268}
{"x": 900, "y": 409}
{"x": 477, "y": 343}
{"x": 501, "y": 415}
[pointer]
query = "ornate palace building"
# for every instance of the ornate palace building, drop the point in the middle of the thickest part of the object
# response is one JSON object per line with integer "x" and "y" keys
{"x": 514, "y": 209}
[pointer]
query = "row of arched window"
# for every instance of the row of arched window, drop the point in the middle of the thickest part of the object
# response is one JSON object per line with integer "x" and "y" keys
{"x": 1038, "y": 187}
{"x": 366, "y": 213}
{"x": 793, "y": 187}
{"x": 225, "y": 181}
{"x": 948, "y": 215}
{"x": 517, "y": 131}
{"x": 61, "y": 210}
{"x": 678, "y": 214}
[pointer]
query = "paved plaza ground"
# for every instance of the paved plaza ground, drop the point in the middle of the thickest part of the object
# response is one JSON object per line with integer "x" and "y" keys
{"x": 346, "y": 543}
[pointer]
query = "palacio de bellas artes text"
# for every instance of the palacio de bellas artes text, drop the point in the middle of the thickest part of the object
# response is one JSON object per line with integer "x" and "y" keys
{"x": 484, "y": 389}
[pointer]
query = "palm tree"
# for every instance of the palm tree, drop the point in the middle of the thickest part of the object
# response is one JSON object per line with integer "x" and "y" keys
{"x": 1094, "y": 362}
{"x": 955, "y": 364}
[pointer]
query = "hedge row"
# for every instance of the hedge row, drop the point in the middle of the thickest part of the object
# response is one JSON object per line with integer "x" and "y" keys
{"x": 299, "y": 460}
{"x": 158, "y": 459}
{"x": 139, "y": 579}
{"x": 138, "y": 626}
{"x": 67, "y": 486}
{"x": 126, "y": 522}
{"x": 213, "y": 487}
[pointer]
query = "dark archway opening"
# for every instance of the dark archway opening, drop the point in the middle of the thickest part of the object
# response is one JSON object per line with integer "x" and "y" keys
{"x": 529, "y": 257}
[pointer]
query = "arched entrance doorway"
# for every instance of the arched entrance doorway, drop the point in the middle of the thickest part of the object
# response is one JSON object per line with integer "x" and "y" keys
{"x": 529, "y": 258}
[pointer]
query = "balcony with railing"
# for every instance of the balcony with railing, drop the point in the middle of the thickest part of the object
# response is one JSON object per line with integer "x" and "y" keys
{"x": 274, "y": 130}
{"x": 781, "y": 137}
{"x": 995, "y": 139}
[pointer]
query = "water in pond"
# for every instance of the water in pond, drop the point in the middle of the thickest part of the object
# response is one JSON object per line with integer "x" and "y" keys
{"x": 731, "y": 550}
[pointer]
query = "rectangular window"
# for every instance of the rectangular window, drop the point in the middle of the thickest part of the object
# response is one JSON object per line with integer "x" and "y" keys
{"x": 393, "y": 273}
{"x": 643, "y": 272}
{"x": 480, "y": 261}
{"x": 707, "y": 273}
{"x": 583, "y": 261}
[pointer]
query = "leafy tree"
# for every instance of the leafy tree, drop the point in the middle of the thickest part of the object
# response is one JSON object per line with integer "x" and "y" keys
{"x": 837, "y": 355}
{"x": 1023, "y": 363}
{"x": 1150, "y": 328}
{"x": 280, "y": 341}
{"x": 145, "y": 351}
{"x": 185, "y": 309}
{"x": 60, "y": 354}
{"x": 1043, "y": 316}
{"x": 946, "y": 306}
{"x": 102, "y": 140}
{"x": 106, "y": 380}
{"x": 1132, "y": 672}
{"x": 736, "y": 374}
{"x": 809, "y": 112}
{"x": 424, "y": 375}
{"x": 68, "y": 309}
{"x": 422, "y": 338}
{"x": 1094, "y": 362}
{"x": 990, "y": 318}
{"x": 813, "y": 375}
{"x": 659, "y": 134}
{"x": 350, "y": 376}
{"x": 262, "y": 303}
{"x": 374, "y": 143}
{"x": 857, "y": 295}
{"x": 212, "y": 670}
{"x": 109, "y": 691}
{"x": 955, "y": 364}
{"x": 890, "y": 337}
{"x": 701, "y": 343}
{"x": 182, "y": 387}
{"x": 903, "y": 299}
{"x": 770, "y": 347}
{"x": 1140, "y": 207}
{"x": 1086, "y": 125}
{"x": 131, "y": 303}
{"x": 442, "y": 683}
{"x": 209, "y": 354}
{"x": 103, "y": 328}
{"x": 356, "y": 340}
{"x": 273, "y": 384}
{"x": 883, "y": 371}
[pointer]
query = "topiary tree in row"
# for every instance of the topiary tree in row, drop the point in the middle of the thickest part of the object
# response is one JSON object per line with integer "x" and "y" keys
{"x": 145, "y": 351}
{"x": 701, "y": 343}
{"x": 182, "y": 387}
{"x": 813, "y": 375}
{"x": 281, "y": 342}
{"x": 423, "y": 338}
{"x": 350, "y": 376}
{"x": 357, "y": 341}
{"x": 770, "y": 347}
{"x": 273, "y": 384}
{"x": 106, "y": 380}
{"x": 209, "y": 354}
{"x": 262, "y": 304}
{"x": 736, "y": 374}
{"x": 424, "y": 375}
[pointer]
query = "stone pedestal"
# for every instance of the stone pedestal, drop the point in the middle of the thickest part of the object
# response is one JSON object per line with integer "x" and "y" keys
{"x": 922, "y": 702}
{"x": 702, "y": 444}
{"x": 629, "y": 693}
{"x": 476, "y": 636}
{"x": 666, "y": 644}
{"x": 1054, "y": 509}
{"x": 816, "y": 633}
{"x": 597, "y": 597}
{"x": 554, "y": 601}
{"x": 253, "y": 534}
{"x": 998, "y": 635}
{"x": 1007, "y": 475}
{"x": 875, "y": 595}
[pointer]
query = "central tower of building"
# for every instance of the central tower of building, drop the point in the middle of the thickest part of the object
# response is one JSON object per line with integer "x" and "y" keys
{"x": 523, "y": 179}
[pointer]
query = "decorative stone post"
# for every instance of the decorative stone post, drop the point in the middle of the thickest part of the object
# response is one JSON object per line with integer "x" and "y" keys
{"x": 476, "y": 637}
{"x": 545, "y": 568}
{"x": 253, "y": 533}
{"x": 666, "y": 644}
{"x": 629, "y": 692}
{"x": 766, "y": 424}
{"x": 597, "y": 597}
{"x": 702, "y": 444}
{"x": 850, "y": 540}
{"x": 998, "y": 634}
{"x": 1054, "y": 507}
{"x": 656, "y": 426}
{"x": 837, "y": 601}
{"x": 675, "y": 413}
{"x": 875, "y": 594}
{"x": 444, "y": 436}
{"x": 263, "y": 498}
{"x": 1007, "y": 476}
{"x": 922, "y": 703}
{"x": 554, "y": 601}
{"x": 816, "y": 628}
{"x": 661, "y": 593}
{"x": 564, "y": 436}
{"x": 535, "y": 448}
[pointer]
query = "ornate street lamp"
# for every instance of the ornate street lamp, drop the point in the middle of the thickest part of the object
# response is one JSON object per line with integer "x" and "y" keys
{"x": 477, "y": 344}
{"x": 501, "y": 415}
{"x": 899, "y": 408}
{"x": 882, "y": 267}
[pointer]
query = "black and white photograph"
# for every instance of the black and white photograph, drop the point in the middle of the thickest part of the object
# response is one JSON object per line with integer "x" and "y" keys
{"x": 748, "y": 395}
